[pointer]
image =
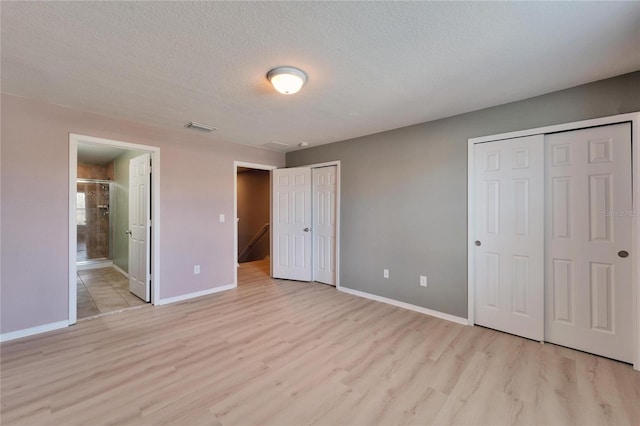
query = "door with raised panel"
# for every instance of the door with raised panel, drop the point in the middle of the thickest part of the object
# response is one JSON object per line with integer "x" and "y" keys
{"x": 324, "y": 224}
{"x": 509, "y": 233}
{"x": 139, "y": 229}
{"x": 589, "y": 303}
{"x": 291, "y": 229}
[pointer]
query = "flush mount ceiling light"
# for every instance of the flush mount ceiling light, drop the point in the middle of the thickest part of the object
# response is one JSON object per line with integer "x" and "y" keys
{"x": 287, "y": 80}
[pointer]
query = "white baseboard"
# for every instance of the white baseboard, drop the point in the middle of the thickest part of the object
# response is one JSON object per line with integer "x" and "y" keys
{"x": 196, "y": 294}
{"x": 12, "y": 335}
{"x": 404, "y": 305}
{"x": 119, "y": 269}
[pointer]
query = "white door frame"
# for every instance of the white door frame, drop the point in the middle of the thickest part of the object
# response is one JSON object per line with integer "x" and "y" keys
{"x": 634, "y": 118}
{"x": 74, "y": 139}
{"x": 237, "y": 164}
{"x": 256, "y": 166}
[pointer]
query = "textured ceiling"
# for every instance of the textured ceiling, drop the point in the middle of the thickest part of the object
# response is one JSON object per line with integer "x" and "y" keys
{"x": 372, "y": 66}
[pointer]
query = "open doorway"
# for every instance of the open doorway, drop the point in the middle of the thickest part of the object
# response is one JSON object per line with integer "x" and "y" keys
{"x": 253, "y": 221}
{"x": 304, "y": 227}
{"x": 102, "y": 216}
{"x": 111, "y": 248}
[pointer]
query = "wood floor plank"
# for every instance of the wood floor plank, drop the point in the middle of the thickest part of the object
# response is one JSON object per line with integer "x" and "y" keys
{"x": 277, "y": 352}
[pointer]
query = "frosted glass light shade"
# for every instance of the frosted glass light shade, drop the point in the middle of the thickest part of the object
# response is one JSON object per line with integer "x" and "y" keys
{"x": 287, "y": 80}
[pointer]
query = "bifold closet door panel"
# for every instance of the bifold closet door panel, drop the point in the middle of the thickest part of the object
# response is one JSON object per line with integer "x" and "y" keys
{"x": 589, "y": 296}
{"x": 324, "y": 224}
{"x": 509, "y": 233}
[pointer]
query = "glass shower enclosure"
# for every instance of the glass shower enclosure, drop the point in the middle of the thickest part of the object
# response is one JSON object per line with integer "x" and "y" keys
{"x": 93, "y": 217}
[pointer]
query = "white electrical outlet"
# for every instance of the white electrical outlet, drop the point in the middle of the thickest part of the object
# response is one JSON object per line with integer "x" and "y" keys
{"x": 196, "y": 269}
{"x": 423, "y": 280}
{"x": 385, "y": 273}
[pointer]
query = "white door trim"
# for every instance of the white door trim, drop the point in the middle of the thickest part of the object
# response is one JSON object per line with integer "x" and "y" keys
{"x": 74, "y": 139}
{"x": 237, "y": 164}
{"x": 634, "y": 118}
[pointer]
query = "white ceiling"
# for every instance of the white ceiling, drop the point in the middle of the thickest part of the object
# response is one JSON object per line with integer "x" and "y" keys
{"x": 372, "y": 66}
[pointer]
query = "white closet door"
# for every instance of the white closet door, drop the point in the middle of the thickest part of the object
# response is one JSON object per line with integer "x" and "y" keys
{"x": 509, "y": 233}
{"x": 589, "y": 303}
{"x": 291, "y": 227}
{"x": 324, "y": 224}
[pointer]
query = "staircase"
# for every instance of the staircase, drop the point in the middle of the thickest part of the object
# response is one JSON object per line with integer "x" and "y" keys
{"x": 252, "y": 243}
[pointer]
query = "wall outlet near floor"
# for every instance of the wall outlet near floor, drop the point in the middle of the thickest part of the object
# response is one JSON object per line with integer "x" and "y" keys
{"x": 385, "y": 273}
{"x": 196, "y": 269}
{"x": 423, "y": 280}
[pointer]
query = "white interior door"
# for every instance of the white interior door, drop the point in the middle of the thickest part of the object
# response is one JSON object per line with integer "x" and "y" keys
{"x": 291, "y": 229}
{"x": 589, "y": 301}
{"x": 324, "y": 224}
{"x": 139, "y": 226}
{"x": 509, "y": 233}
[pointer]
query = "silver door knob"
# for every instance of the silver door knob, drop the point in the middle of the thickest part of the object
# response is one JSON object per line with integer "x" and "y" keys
{"x": 306, "y": 229}
{"x": 623, "y": 253}
{"x": 128, "y": 232}
{"x": 478, "y": 243}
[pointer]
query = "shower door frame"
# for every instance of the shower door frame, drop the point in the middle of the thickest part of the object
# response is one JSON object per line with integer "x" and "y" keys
{"x": 108, "y": 259}
{"x": 154, "y": 250}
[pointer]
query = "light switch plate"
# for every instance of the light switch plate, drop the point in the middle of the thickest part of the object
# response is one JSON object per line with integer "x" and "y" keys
{"x": 221, "y": 217}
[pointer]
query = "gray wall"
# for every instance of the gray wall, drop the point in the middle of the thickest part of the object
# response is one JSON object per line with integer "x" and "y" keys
{"x": 121, "y": 217}
{"x": 404, "y": 192}
{"x": 253, "y": 211}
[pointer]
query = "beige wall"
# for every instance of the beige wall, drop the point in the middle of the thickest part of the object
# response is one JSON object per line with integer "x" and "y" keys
{"x": 196, "y": 186}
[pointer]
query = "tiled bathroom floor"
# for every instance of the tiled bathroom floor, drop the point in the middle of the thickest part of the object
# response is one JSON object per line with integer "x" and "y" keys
{"x": 103, "y": 290}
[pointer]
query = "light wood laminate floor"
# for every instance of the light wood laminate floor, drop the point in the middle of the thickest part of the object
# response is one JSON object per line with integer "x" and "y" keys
{"x": 275, "y": 352}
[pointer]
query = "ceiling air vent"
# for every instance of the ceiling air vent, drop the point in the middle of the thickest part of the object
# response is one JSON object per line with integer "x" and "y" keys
{"x": 199, "y": 127}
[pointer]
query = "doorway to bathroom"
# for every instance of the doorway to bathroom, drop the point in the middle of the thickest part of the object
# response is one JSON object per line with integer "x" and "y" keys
{"x": 102, "y": 224}
{"x": 111, "y": 238}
